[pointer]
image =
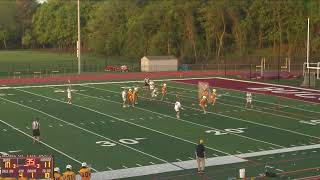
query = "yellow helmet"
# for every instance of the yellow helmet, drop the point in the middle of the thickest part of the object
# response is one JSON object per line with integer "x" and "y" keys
{"x": 201, "y": 141}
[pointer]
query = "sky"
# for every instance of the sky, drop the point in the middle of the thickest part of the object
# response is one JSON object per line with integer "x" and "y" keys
{"x": 41, "y": 1}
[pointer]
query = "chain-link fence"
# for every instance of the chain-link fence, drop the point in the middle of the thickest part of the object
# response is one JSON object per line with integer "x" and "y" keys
{"x": 249, "y": 67}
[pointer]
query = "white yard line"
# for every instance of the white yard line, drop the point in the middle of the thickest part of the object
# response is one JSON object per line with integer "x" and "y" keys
{"x": 252, "y": 122}
{"x": 122, "y": 120}
{"x": 210, "y": 127}
{"x": 293, "y": 107}
{"x": 88, "y": 131}
{"x": 45, "y": 144}
{"x": 244, "y": 108}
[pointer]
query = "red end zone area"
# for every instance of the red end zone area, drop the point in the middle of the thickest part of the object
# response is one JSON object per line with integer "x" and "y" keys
{"x": 303, "y": 94}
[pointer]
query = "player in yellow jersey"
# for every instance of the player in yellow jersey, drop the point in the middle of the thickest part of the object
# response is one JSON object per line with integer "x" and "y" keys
{"x": 203, "y": 104}
{"x": 21, "y": 177}
{"x": 57, "y": 175}
{"x": 69, "y": 174}
{"x": 205, "y": 93}
{"x": 135, "y": 95}
{"x": 85, "y": 172}
{"x": 213, "y": 97}
{"x": 130, "y": 97}
{"x": 164, "y": 91}
{"x": 10, "y": 178}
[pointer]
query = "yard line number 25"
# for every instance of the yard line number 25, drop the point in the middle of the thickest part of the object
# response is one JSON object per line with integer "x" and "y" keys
{"x": 226, "y": 131}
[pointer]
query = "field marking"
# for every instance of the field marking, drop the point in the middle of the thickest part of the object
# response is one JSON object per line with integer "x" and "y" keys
{"x": 244, "y": 108}
{"x": 287, "y": 106}
{"x": 252, "y": 122}
{"x": 88, "y": 131}
{"x": 256, "y": 123}
{"x": 15, "y": 151}
{"x": 175, "y": 79}
{"x": 122, "y": 120}
{"x": 45, "y": 144}
{"x": 191, "y": 164}
{"x": 210, "y": 127}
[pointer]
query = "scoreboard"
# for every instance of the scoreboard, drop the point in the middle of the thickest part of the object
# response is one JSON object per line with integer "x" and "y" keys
{"x": 30, "y": 166}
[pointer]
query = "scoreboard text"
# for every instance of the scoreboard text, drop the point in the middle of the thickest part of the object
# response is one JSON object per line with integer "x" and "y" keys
{"x": 31, "y": 166}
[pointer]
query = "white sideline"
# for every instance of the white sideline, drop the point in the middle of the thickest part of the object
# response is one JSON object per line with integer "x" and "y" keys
{"x": 161, "y": 168}
{"x": 173, "y": 79}
{"x": 190, "y": 164}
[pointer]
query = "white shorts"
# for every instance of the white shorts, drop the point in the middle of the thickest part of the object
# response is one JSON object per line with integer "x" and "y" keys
{"x": 69, "y": 96}
{"x": 249, "y": 100}
{"x": 124, "y": 99}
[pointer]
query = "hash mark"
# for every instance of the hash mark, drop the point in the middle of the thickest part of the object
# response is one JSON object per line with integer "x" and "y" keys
{"x": 110, "y": 168}
{"x": 152, "y": 163}
{"x": 139, "y": 165}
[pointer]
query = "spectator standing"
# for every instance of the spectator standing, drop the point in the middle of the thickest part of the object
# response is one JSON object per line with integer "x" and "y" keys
{"x": 69, "y": 174}
{"x": 57, "y": 175}
{"x": 85, "y": 172}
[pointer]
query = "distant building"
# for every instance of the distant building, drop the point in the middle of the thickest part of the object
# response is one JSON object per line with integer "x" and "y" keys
{"x": 159, "y": 63}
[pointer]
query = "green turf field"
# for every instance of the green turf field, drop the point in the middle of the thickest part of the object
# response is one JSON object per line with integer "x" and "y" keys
{"x": 279, "y": 134}
{"x": 27, "y": 62}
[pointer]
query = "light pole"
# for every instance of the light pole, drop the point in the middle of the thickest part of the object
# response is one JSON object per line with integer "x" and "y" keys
{"x": 79, "y": 41}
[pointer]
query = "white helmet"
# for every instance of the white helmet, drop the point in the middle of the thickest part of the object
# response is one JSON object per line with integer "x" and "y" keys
{"x": 84, "y": 164}
{"x": 214, "y": 90}
{"x": 135, "y": 88}
{"x": 130, "y": 89}
{"x": 164, "y": 84}
{"x": 69, "y": 167}
{"x": 204, "y": 97}
{"x": 56, "y": 169}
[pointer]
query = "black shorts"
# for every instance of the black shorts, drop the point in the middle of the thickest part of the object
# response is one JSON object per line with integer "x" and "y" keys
{"x": 36, "y": 132}
{"x": 146, "y": 84}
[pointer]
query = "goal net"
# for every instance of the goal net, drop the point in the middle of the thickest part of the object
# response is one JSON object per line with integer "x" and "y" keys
{"x": 203, "y": 89}
{"x": 309, "y": 79}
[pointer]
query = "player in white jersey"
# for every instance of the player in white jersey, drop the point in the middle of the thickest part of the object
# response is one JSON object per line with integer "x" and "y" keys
{"x": 177, "y": 108}
{"x": 154, "y": 93}
{"x": 152, "y": 86}
{"x": 249, "y": 100}
{"x": 124, "y": 98}
{"x": 69, "y": 95}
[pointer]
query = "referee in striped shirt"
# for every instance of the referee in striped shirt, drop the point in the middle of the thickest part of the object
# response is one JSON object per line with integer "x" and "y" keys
{"x": 36, "y": 130}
